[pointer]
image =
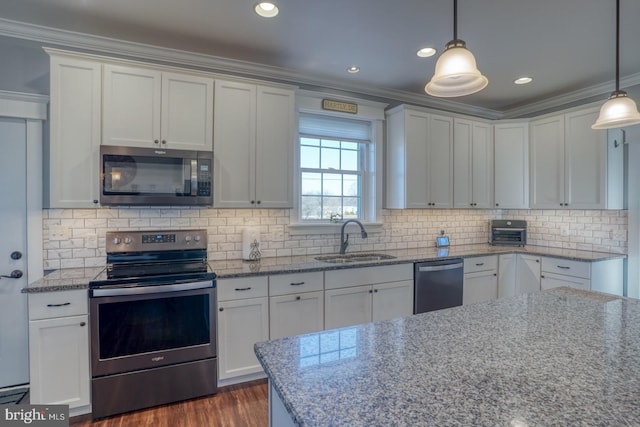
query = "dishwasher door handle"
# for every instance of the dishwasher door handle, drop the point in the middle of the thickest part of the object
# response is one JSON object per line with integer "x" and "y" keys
{"x": 440, "y": 267}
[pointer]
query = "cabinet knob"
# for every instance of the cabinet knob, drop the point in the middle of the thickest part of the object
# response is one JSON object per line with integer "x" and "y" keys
{"x": 370, "y": 291}
{"x": 497, "y": 204}
{"x": 164, "y": 141}
{"x": 298, "y": 298}
{"x": 258, "y": 202}
{"x": 155, "y": 141}
{"x": 83, "y": 323}
{"x": 221, "y": 309}
{"x": 495, "y": 274}
{"x": 375, "y": 290}
{"x": 95, "y": 201}
{"x": 538, "y": 260}
{"x": 252, "y": 202}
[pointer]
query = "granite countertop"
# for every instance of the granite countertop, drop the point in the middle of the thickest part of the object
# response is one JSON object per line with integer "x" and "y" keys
{"x": 559, "y": 357}
{"x": 78, "y": 278}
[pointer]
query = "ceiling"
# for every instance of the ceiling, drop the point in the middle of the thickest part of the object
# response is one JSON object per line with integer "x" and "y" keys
{"x": 568, "y": 46}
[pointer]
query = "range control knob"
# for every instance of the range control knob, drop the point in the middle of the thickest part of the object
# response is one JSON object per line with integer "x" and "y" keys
{"x": 187, "y": 238}
{"x": 196, "y": 237}
{"x": 127, "y": 240}
{"x": 116, "y": 240}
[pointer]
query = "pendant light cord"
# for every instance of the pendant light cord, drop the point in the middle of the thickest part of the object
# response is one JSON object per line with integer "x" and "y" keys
{"x": 617, "y": 45}
{"x": 455, "y": 19}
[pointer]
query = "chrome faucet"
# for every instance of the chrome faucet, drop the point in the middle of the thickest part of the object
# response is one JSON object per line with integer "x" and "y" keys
{"x": 345, "y": 242}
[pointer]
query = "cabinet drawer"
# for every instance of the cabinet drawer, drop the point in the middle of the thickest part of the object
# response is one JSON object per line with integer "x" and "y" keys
{"x": 344, "y": 278}
{"x": 480, "y": 263}
{"x": 242, "y": 287}
{"x": 284, "y": 284}
{"x": 47, "y": 305}
{"x": 567, "y": 267}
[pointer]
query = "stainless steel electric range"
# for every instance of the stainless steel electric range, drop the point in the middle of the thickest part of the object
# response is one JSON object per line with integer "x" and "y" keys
{"x": 153, "y": 327}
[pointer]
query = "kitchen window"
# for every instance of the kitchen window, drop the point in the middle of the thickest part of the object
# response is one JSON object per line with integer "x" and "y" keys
{"x": 336, "y": 169}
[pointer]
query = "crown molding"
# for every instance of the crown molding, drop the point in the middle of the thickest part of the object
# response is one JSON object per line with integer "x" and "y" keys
{"x": 603, "y": 89}
{"x": 105, "y": 45}
{"x": 23, "y": 105}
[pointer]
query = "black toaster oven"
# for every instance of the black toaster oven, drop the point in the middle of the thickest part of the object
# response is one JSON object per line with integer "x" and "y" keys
{"x": 504, "y": 232}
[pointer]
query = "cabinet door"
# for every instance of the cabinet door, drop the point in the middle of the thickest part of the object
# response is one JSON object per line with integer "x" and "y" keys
{"x": 482, "y": 166}
{"x": 187, "y": 112}
{"x": 59, "y": 361}
{"x": 241, "y": 324}
{"x": 296, "y": 314}
{"x": 74, "y": 152}
{"x": 528, "y": 274}
{"x": 511, "y": 166}
{"x": 462, "y": 164}
{"x": 275, "y": 132}
{"x": 439, "y": 162}
{"x": 585, "y": 161}
{"x": 477, "y": 287}
{"x": 391, "y": 300}
{"x": 347, "y": 306}
{"x": 551, "y": 280}
{"x": 234, "y": 136}
{"x": 547, "y": 163}
{"x": 415, "y": 174}
{"x": 131, "y": 106}
{"x": 507, "y": 275}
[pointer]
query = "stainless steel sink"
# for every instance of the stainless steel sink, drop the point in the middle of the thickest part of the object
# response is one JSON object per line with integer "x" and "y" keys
{"x": 355, "y": 257}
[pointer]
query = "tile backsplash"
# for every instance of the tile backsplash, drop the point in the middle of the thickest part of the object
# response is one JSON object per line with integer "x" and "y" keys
{"x": 82, "y": 242}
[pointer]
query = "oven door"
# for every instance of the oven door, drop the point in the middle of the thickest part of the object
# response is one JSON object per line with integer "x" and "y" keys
{"x": 134, "y": 176}
{"x": 151, "y": 329}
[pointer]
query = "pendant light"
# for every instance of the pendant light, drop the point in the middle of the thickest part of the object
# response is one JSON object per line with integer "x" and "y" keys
{"x": 456, "y": 71}
{"x": 619, "y": 110}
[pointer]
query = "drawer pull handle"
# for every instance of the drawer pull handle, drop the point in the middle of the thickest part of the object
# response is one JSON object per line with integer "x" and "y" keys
{"x": 479, "y": 264}
{"x": 296, "y": 284}
{"x": 243, "y": 289}
{"x": 59, "y": 305}
{"x": 563, "y": 267}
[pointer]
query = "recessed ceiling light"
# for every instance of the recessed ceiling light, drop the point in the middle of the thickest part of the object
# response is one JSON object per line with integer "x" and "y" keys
{"x": 266, "y": 9}
{"x": 353, "y": 69}
{"x": 523, "y": 80}
{"x": 426, "y": 52}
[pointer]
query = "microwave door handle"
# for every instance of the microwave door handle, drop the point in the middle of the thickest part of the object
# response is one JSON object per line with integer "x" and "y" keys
{"x": 194, "y": 177}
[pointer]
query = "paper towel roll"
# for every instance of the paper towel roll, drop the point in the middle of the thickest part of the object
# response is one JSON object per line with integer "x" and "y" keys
{"x": 251, "y": 244}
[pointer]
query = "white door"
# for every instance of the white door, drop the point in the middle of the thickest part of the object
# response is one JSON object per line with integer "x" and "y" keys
{"x": 391, "y": 300}
{"x": 528, "y": 276}
{"x": 296, "y": 314}
{"x": 14, "y": 347}
{"x": 478, "y": 287}
{"x": 347, "y": 306}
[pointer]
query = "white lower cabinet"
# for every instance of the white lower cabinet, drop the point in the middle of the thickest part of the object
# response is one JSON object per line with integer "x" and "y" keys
{"x": 558, "y": 272}
{"x": 518, "y": 274}
{"x": 59, "y": 350}
{"x": 361, "y": 295}
{"x": 296, "y": 304}
{"x": 480, "y": 281}
{"x": 243, "y": 320}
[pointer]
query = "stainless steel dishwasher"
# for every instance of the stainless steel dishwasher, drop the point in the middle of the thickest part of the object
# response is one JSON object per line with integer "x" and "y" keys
{"x": 437, "y": 284}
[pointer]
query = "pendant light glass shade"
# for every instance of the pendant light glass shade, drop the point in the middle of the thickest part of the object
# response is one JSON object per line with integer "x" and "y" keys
{"x": 456, "y": 73}
{"x": 618, "y": 111}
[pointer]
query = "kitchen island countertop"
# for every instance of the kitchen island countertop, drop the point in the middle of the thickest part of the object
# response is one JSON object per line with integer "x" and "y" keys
{"x": 559, "y": 357}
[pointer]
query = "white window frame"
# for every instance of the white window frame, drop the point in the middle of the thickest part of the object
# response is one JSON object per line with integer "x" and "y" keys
{"x": 371, "y": 203}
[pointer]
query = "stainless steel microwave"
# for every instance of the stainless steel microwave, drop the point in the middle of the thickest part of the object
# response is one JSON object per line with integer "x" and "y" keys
{"x": 155, "y": 176}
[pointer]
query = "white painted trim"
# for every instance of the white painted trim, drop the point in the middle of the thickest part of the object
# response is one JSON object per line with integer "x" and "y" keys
{"x": 156, "y": 54}
{"x": 299, "y": 229}
{"x": 33, "y": 109}
{"x": 23, "y": 105}
{"x": 34, "y": 201}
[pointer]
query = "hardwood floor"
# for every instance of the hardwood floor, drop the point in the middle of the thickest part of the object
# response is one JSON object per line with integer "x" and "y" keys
{"x": 243, "y": 405}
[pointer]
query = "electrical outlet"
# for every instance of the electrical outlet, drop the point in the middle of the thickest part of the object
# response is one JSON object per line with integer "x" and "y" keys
{"x": 59, "y": 232}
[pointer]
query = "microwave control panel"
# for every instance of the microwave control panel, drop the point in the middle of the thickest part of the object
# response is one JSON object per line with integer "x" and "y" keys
{"x": 204, "y": 178}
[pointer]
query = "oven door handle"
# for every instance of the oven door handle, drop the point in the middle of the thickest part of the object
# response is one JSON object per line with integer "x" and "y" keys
{"x": 152, "y": 289}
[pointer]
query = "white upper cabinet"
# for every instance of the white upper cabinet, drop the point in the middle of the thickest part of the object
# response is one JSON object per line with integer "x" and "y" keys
{"x": 571, "y": 164}
{"x": 511, "y": 165}
{"x": 254, "y": 137}
{"x": 419, "y": 159}
{"x": 472, "y": 164}
{"x": 74, "y": 149}
{"x": 146, "y": 107}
